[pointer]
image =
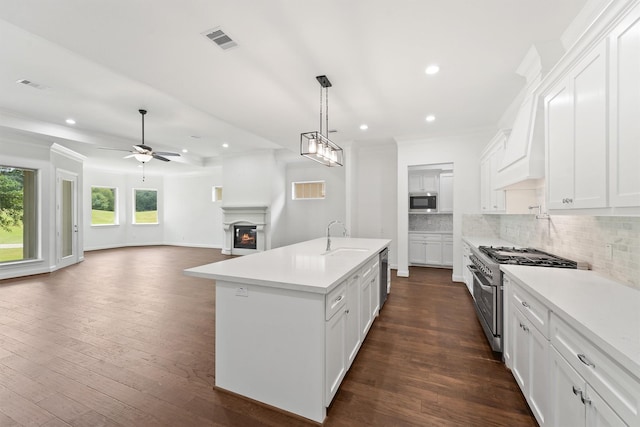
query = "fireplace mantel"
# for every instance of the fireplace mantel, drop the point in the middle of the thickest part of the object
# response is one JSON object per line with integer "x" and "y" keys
{"x": 244, "y": 215}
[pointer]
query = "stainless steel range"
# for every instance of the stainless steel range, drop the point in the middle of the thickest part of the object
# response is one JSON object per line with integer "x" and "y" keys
{"x": 487, "y": 282}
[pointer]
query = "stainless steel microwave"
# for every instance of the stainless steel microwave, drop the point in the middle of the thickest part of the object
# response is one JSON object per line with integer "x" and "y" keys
{"x": 423, "y": 202}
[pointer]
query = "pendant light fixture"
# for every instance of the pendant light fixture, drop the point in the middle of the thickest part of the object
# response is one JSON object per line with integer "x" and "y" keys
{"x": 316, "y": 145}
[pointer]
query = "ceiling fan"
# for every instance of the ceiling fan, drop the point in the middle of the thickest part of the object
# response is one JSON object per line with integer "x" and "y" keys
{"x": 143, "y": 153}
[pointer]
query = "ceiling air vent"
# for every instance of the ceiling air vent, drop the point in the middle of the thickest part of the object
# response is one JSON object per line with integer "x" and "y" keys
{"x": 218, "y": 36}
{"x": 32, "y": 84}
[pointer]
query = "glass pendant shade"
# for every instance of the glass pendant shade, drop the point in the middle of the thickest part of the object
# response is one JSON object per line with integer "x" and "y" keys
{"x": 315, "y": 146}
{"x": 142, "y": 158}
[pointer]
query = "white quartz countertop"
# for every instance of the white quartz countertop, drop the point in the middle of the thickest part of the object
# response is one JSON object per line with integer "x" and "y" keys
{"x": 607, "y": 312}
{"x": 303, "y": 266}
{"x": 487, "y": 241}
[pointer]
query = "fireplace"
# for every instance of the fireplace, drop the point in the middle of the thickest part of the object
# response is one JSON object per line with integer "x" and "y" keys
{"x": 244, "y": 236}
{"x": 245, "y": 229}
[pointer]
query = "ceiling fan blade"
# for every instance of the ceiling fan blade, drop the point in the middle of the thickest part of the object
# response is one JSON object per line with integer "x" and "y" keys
{"x": 166, "y": 153}
{"x": 141, "y": 148}
{"x": 129, "y": 156}
{"x": 156, "y": 156}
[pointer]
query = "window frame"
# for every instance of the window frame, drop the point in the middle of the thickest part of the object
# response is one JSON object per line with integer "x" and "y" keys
{"x": 35, "y": 217}
{"x": 134, "y": 211}
{"x": 116, "y": 210}
{"x": 215, "y": 191}
{"x": 323, "y": 191}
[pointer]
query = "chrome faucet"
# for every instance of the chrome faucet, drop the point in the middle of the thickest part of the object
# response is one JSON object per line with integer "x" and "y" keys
{"x": 344, "y": 233}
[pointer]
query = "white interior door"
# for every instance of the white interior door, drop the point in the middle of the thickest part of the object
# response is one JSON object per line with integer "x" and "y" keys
{"x": 66, "y": 218}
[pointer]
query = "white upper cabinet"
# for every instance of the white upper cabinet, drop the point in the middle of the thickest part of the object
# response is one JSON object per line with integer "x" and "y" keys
{"x": 445, "y": 195}
{"x": 576, "y": 135}
{"x": 491, "y": 199}
{"x": 423, "y": 182}
{"x": 624, "y": 144}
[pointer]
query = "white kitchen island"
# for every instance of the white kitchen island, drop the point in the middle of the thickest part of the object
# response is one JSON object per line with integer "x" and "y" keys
{"x": 289, "y": 321}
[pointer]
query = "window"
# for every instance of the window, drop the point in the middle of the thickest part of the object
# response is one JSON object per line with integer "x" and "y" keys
{"x": 307, "y": 190}
{"x": 216, "y": 194}
{"x": 146, "y": 207}
{"x": 103, "y": 206}
{"x": 18, "y": 214}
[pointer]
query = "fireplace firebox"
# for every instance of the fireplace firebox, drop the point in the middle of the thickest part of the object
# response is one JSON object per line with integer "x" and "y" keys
{"x": 244, "y": 236}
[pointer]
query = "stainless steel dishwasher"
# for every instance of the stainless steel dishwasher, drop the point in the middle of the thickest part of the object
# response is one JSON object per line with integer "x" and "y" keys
{"x": 384, "y": 275}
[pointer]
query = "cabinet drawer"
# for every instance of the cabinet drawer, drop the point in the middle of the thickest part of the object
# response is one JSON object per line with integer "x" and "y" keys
{"x": 616, "y": 385}
{"x": 369, "y": 268}
{"x": 335, "y": 300}
{"x": 534, "y": 310}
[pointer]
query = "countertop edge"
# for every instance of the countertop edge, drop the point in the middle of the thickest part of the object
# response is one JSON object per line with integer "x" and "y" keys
{"x": 200, "y": 272}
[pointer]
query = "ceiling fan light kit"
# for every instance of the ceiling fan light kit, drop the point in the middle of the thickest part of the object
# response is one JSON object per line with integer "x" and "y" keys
{"x": 316, "y": 145}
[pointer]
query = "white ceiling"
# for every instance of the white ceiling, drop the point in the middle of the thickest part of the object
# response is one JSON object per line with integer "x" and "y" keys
{"x": 103, "y": 60}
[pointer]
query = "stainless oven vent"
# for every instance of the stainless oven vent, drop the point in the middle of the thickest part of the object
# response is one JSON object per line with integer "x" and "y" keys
{"x": 220, "y": 38}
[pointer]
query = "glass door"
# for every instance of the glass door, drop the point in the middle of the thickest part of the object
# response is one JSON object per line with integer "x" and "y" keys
{"x": 67, "y": 219}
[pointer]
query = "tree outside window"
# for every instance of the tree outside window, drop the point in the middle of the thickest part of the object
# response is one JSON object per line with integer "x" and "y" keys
{"x": 103, "y": 206}
{"x": 146, "y": 207}
{"x": 18, "y": 214}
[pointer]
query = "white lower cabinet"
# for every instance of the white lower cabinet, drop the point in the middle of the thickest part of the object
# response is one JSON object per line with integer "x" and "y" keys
{"x": 335, "y": 340}
{"x": 350, "y": 311}
{"x": 368, "y": 296}
{"x": 529, "y": 362}
{"x": 575, "y": 403}
{"x": 447, "y": 250}
{"x": 431, "y": 249}
{"x": 352, "y": 333}
{"x": 466, "y": 273}
{"x": 566, "y": 379}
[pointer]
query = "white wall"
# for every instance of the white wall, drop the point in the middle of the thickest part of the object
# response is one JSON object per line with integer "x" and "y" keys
{"x": 373, "y": 189}
{"x": 125, "y": 233}
{"x": 191, "y": 217}
{"x": 251, "y": 179}
{"x": 308, "y": 219}
{"x": 464, "y": 152}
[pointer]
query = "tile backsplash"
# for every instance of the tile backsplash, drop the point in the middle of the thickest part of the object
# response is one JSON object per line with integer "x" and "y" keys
{"x": 581, "y": 238}
{"x": 430, "y": 222}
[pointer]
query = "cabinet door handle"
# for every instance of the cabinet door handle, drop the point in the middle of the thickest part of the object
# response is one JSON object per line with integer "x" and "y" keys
{"x": 577, "y": 391}
{"x": 347, "y": 311}
{"x": 525, "y": 304}
{"x": 586, "y": 361}
{"x": 339, "y": 298}
{"x": 585, "y": 400}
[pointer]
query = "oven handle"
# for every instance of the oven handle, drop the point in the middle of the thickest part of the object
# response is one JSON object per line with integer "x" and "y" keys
{"x": 481, "y": 279}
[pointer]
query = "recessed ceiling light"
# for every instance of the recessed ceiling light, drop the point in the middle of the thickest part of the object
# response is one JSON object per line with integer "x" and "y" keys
{"x": 432, "y": 69}
{"x": 225, "y": 145}
{"x": 430, "y": 118}
{"x": 70, "y": 121}
{"x": 184, "y": 150}
{"x": 364, "y": 127}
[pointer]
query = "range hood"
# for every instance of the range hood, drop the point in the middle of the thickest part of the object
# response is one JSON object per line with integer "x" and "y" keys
{"x": 523, "y": 161}
{"x": 522, "y": 166}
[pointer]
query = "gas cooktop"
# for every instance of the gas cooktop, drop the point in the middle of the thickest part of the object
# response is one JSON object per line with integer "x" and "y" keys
{"x": 525, "y": 256}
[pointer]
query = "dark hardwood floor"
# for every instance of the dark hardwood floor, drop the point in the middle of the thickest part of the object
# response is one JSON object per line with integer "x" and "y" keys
{"x": 125, "y": 339}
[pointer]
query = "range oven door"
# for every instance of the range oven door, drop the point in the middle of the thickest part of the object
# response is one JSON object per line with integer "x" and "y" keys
{"x": 487, "y": 307}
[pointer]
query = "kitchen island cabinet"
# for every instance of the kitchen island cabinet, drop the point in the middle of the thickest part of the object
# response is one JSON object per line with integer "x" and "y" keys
{"x": 289, "y": 321}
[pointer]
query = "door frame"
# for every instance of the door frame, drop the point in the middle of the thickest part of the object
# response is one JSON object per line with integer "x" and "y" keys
{"x": 65, "y": 261}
